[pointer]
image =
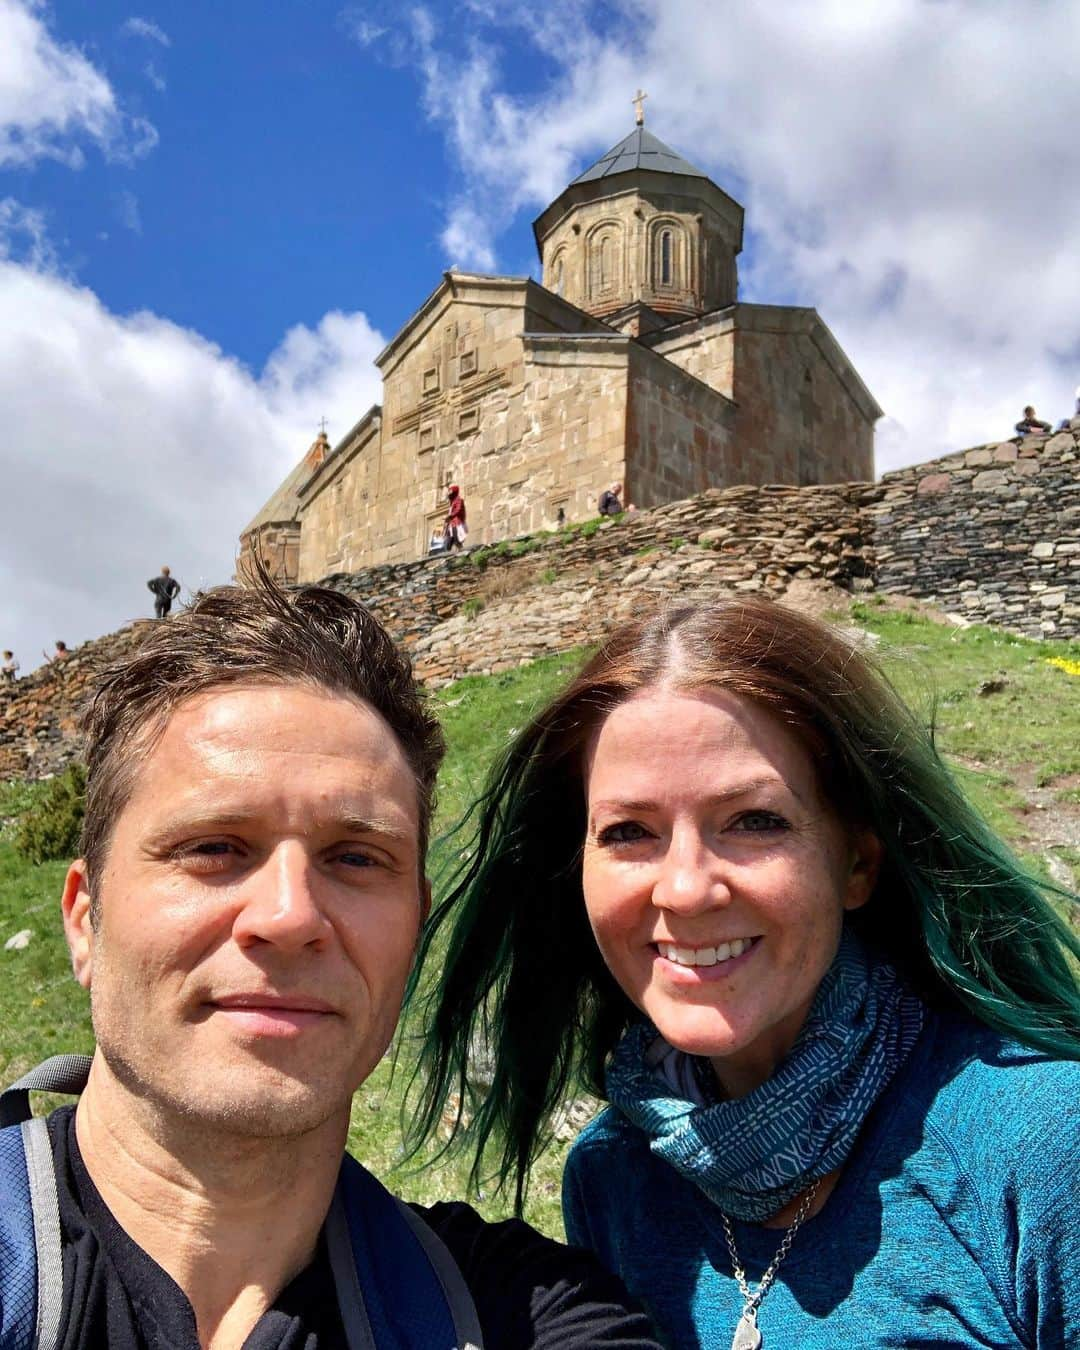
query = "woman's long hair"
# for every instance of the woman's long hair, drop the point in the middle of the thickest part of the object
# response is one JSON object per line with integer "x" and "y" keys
{"x": 522, "y": 977}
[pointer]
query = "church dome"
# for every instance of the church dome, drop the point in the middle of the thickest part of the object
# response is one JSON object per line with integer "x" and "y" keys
{"x": 641, "y": 238}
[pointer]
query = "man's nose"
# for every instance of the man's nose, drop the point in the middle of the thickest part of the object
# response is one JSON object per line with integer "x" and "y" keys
{"x": 691, "y": 876}
{"x": 281, "y": 903}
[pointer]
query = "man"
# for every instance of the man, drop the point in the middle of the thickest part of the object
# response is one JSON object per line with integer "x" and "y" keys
{"x": 10, "y": 669}
{"x": 260, "y": 778}
{"x": 611, "y": 500}
{"x": 1030, "y": 425}
{"x": 456, "y": 531}
{"x": 166, "y": 588}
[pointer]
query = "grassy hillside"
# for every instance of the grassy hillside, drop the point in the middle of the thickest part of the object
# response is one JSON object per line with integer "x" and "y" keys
{"x": 1016, "y": 746}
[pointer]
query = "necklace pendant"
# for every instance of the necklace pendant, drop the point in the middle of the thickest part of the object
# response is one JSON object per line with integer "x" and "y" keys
{"x": 747, "y": 1336}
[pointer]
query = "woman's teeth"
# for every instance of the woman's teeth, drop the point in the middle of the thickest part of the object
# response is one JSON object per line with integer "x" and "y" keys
{"x": 703, "y": 956}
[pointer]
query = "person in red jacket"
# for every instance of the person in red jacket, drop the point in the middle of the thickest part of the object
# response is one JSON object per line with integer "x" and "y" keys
{"x": 455, "y": 529}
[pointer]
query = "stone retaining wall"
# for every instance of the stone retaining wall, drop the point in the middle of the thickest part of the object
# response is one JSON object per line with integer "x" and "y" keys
{"x": 992, "y": 533}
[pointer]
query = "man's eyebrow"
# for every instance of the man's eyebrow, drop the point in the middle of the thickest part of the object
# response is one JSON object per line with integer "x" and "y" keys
{"x": 345, "y": 820}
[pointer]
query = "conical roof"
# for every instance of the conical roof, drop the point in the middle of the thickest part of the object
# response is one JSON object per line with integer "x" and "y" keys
{"x": 640, "y": 150}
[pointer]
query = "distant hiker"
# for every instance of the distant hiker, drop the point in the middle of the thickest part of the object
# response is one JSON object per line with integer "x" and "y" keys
{"x": 611, "y": 500}
{"x": 9, "y": 669}
{"x": 1030, "y": 424}
{"x": 455, "y": 532}
{"x": 60, "y": 653}
{"x": 165, "y": 588}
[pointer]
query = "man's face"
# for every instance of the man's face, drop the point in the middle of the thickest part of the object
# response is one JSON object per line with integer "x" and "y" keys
{"x": 258, "y": 910}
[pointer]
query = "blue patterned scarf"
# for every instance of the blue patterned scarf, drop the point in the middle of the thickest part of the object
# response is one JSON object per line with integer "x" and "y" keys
{"x": 752, "y": 1156}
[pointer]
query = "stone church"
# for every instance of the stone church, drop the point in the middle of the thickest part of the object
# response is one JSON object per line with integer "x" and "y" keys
{"x": 633, "y": 361}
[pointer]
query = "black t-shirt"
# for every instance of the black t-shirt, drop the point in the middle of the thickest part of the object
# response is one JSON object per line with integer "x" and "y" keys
{"x": 530, "y": 1293}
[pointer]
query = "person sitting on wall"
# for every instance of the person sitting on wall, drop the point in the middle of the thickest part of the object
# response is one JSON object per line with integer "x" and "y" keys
{"x": 1066, "y": 422}
{"x": 455, "y": 532}
{"x": 9, "y": 669}
{"x": 1030, "y": 424}
{"x": 60, "y": 653}
{"x": 611, "y": 500}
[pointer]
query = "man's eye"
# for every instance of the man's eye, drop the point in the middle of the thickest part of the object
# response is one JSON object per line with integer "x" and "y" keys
{"x": 624, "y": 832}
{"x": 351, "y": 858}
{"x": 757, "y": 822}
{"x": 208, "y": 855}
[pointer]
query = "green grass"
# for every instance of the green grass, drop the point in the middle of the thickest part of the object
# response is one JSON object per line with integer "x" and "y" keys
{"x": 1028, "y": 734}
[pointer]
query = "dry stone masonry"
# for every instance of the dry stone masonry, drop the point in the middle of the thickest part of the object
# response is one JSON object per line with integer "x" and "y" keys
{"x": 991, "y": 534}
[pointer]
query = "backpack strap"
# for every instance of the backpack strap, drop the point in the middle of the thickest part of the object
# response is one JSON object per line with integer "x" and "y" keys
{"x": 395, "y": 1269}
{"x": 455, "y": 1290}
{"x": 62, "y": 1073}
{"x": 31, "y": 1263}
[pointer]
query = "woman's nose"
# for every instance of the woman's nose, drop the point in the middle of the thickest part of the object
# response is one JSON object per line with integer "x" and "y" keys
{"x": 690, "y": 876}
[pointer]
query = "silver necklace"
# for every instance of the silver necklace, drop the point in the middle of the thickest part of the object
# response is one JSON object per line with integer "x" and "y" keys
{"x": 747, "y": 1335}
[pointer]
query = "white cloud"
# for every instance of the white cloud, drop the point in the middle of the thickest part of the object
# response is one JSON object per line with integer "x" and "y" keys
{"x": 155, "y": 77}
{"x": 145, "y": 28}
{"x": 127, "y": 211}
{"x": 130, "y": 442}
{"x": 53, "y": 100}
{"x": 24, "y": 236}
{"x": 903, "y": 168}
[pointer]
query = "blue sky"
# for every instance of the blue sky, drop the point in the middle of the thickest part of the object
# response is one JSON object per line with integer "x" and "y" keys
{"x": 212, "y": 218}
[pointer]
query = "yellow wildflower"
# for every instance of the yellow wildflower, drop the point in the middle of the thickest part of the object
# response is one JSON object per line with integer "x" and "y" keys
{"x": 1062, "y": 663}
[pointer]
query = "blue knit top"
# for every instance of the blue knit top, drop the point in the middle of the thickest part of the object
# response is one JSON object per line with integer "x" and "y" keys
{"x": 955, "y": 1222}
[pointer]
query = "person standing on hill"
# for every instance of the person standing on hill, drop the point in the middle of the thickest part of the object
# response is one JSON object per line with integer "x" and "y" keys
{"x": 455, "y": 529}
{"x": 165, "y": 588}
{"x": 611, "y": 501}
{"x": 9, "y": 669}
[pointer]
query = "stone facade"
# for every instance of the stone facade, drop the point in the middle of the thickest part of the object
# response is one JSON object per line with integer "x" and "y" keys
{"x": 632, "y": 363}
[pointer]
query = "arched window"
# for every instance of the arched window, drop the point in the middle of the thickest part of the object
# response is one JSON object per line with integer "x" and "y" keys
{"x": 605, "y": 262}
{"x": 665, "y": 258}
{"x": 558, "y": 277}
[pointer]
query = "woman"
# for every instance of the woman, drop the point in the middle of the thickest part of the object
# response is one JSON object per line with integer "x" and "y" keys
{"x": 725, "y": 880}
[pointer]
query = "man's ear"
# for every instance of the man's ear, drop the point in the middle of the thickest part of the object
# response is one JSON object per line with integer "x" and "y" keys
{"x": 865, "y": 863}
{"x": 78, "y": 930}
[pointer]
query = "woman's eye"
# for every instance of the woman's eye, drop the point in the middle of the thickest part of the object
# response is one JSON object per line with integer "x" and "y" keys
{"x": 625, "y": 832}
{"x": 760, "y": 821}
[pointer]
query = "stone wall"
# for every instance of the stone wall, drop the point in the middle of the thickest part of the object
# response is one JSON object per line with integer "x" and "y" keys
{"x": 800, "y": 403}
{"x": 38, "y": 714}
{"x": 679, "y": 434}
{"x": 802, "y": 411}
{"x": 992, "y": 533}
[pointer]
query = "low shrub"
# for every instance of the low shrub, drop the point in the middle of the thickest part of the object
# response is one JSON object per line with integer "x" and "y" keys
{"x": 50, "y": 829}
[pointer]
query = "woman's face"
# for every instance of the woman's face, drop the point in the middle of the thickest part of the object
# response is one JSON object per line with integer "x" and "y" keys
{"x": 715, "y": 875}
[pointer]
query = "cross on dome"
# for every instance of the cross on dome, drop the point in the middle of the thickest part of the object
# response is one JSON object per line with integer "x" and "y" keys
{"x": 639, "y": 107}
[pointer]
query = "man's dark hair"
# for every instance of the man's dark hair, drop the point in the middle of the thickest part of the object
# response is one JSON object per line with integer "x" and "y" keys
{"x": 245, "y": 635}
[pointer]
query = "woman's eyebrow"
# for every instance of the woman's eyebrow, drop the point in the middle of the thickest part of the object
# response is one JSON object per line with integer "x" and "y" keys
{"x": 738, "y": 790}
